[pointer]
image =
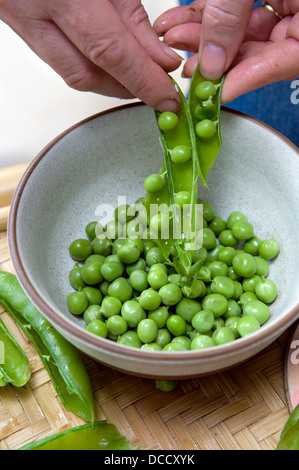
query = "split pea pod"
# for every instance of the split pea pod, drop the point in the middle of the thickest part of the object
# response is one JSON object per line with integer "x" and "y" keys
{"x": 191, "y": 141}
{"x": 14, "y": 365}
{"x": 61, "y": 359}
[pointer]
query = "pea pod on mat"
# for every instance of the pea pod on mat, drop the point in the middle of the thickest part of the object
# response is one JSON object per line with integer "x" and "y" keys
{"x": 61, "y": 359}
{"x": 289, "y": 438}
{"x": 97, "y": 436}
{"x": 191, "y": 142}
{"x": 16, "y": 368}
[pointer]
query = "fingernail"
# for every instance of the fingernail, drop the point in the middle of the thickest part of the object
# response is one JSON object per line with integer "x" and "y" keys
{"x": 168, "y": 105}
{"x": 213, "y": 61}
{"x": 170, "y": 52}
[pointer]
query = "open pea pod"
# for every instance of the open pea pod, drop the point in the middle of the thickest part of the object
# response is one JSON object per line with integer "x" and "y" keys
{"x": 289, "y": 438}
{"x": 14, "y": 366}
{"x": 204, "y": 105}
{"x": 97, "y": 436}
{"x": 188, "y": 156}
{"x": 60, "y": 358}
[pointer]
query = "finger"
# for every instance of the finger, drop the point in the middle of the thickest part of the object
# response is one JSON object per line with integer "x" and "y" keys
{"x": 136, "y": 19}
{"x": 98, "y": 32}
{"x": 190, "y": 66}
{"x": 179, "y": 15}
{"x": 276, "y": 61}
{"x": 261, "y": 23}
{"x": 223, "y": 30}
{"x": 184, "y": 37}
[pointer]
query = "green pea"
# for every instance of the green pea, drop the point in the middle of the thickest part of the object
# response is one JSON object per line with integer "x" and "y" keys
{"x": 159, "y": 316}
{"x": 181, "y": 154}
{"x": 170, "y": 294}
{"x": 205, "y": 129}
{"x": 139, "y": 280}
{"x": 247, "y": 325}
{"x": 104, "y": 285}
{"x": 121, "y": 289}
{"x": 208, "y": 238}
{"x": 80, "y": 249}
{"x": 157, "y": 278}
{"x": 174, "y": 347}
{"x": 205, "y": 110}
{"x": 212, "y": 255}
{"x": 218, "y": 268}
{"x": 217, "y": 303}
{"x": 148, "y": 245}
{"x": 217, "y": 224}
{"x": 208, "y": 211}
{"x": 130, "y": 338}
{"x": 167, "y": 121}
{"x": 139, "y": 265}
{"x": 266, "y": 290}
{"x": 100, "y": 259}
{"x": 244, "y": 264}
{"x": 111, "y": 270}
{"x": 200, "y": 254}
{"x": 91, "y": 273}
{"x": 227, "y": 238}
{"x": 234, "y": 217}
{"x": 116, "y": 325}
{"x": 97, "y": 327}
{"x": 154, "y": 183}
{"x": 205, "y": 90}
{"x": 117, "y": 244}
{"x": 262, "y": 266}
{"x": 202, "y": 342}
{"x": 93, "y": 312}
{"x": 163, "y": 337}
{"x": 102, "y": 246}
{"x": 218, "y": 323}
{"x": 242, "y": 230}
{"x": 187, "y": 308}
{"x": 182, "y": 198}
{"x": 238, "y": 290}
{"x": 75, "y": 278}
{"x": 249, "y": 283}
{"x": 124, "y": 213}
{"x": 150, "y": 299}
{"x": 232, "y": 323}
{"x": 77, "y": 302}
{"x": 258, "y": 310}
{"x": 176, "y": 325}
{"x": 223, "y": 335}
{"x": 223, "y": 285}
{"x": 147, "y": 330}
{"x": 247, "y": 297}
{"x": 193, "y": 291}
{"x": 251, "y": 246}
{"x": 133, "y": 313}
{"x": 226, "y": 255}
{"x": 151, "y": 347}
{"x": 111, "y": 306}
{"x": 154, "y": 256}
{"x": 203, "y": 321}
{"x": 269, "y": 249}
{"x": 90, "y": 230}
{"x": 93, "y": 295}
{"x": 182, "y": 339}
{"x": 233, "y": 309}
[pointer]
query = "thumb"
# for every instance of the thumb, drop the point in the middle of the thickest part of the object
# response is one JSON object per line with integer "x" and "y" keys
{"x": 223, "y": 29}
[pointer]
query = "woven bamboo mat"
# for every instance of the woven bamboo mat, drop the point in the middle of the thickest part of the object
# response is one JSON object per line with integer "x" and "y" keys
{"x": 244, "y": 408}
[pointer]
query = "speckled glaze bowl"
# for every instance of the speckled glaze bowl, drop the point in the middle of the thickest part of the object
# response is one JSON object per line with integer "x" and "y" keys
{"x": 109, "y": 155}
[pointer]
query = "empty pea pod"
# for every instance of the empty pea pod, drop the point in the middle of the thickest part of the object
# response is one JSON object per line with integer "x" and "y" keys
{"x": 61, "y": 359}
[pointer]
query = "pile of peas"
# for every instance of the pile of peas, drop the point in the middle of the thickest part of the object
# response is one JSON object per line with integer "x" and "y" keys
{"x": 126, "y": 293}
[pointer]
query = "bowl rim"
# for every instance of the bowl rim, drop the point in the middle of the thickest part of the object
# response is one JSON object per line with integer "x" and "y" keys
{"x": 66, "y": 326}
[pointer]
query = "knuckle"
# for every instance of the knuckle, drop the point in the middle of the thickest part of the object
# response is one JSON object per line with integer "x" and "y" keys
{"x": 107, "y": 51}
{"x": 79, "y": 79}
{"x": 139, "y": 15}
{"x": 217, "y": 17}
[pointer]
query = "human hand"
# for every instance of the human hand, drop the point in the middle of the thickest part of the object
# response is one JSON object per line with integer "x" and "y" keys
{"x": 107, "y": 46}
{"x": 254, "y": 46}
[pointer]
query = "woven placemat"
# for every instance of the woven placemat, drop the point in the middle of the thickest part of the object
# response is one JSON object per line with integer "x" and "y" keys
{"x": 244, "y": 408}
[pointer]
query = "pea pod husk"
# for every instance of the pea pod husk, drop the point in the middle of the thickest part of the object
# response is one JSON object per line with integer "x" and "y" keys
{"x": 16, "y": 367}
{"x": 60, "y": 358}
{"x": 185, "y": 177}
{"x": 100, "y": 435}
{"x": 289, "y": 438}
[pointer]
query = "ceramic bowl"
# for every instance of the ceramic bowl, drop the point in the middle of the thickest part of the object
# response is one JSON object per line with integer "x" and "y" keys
{"x": 109, "y": 155}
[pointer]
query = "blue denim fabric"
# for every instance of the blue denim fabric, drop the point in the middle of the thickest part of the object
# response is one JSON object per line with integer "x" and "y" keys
{"x": 276, "y": 105}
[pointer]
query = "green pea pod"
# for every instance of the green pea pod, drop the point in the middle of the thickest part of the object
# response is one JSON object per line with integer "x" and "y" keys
{"x": 15, "y": 368}
{"x": 60, "y": 358}
{"x": 289, "y": 438}
{"x": 207, "y": 109}
{"x": 97, "y": 436}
